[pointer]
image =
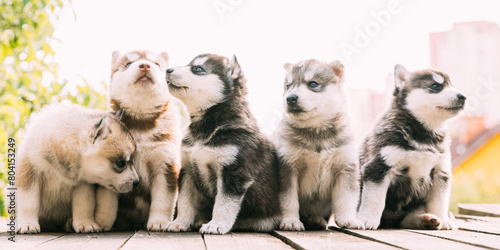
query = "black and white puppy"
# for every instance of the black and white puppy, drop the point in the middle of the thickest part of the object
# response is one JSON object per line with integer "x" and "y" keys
{"x": 405, "y": 161}
{"x": 229, "y": 176}
{"x": 319, "y": 170}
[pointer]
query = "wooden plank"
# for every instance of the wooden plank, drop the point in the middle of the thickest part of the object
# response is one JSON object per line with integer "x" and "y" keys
{"x": 27, "y": 240}
{"x": 494, "y": 220}
{"x": 479, "y": 224}
{"x": 162, "y": 240}
{"x": 107, "y": 240}
{"x": 481, "y": 218}
{"x": 328, "y": 239}
{"x": 472, "y": 238}
{"x": 492, "y": 210}
{"x": 240, "y": 240}
{"x": 408, "y": 240}
{"x": 481, "y": 232}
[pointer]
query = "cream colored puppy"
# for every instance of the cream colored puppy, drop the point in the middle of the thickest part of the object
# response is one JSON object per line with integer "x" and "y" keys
{"x": 138, "y": 87}
{"x": 67, "y": 150}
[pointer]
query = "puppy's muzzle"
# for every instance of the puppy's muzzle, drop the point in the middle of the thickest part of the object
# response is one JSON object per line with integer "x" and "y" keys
{"x": 127, "y": 186}
{"x": 456, "y": 105}
{"x": 460, "y": 101}
{"x": 293, "y": 105}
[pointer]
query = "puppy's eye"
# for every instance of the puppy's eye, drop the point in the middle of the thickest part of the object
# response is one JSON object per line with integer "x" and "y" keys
{"x": 120, "y": 164}
{"x": 197, "y": 70}
{"x": 157, "y": 64}
{"x": 312, "y": 84}
{"x": 436, "y": 87}
{"x": 128, "y": 65}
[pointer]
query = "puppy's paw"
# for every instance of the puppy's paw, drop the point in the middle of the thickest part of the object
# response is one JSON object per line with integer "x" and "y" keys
{"x": 104, "y": 222}
{"x": 86, "y": 227}
{"x": 157, "y": 225}
{"x": 291, "y": 225}
{"x": 350, "y": 223}
{"x": 430, "y": 222}
{"x": 370, "y": 224}
{"x": 214, "y": 227}
{"x": 178, "y": 226}
{"x": 28, "y": 228}
{"x": 448, "y": 225}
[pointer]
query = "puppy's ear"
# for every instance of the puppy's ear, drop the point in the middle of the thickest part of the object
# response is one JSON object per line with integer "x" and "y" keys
{"x": 234, "y": 68}
{"x": 401, "y": 75}
{"x": 100, "y": 130}
{"x": 288, "y": 66}
{"x": 118, "y": 114}
{"x": 164, "y": 56}
{"x": 338, "y": 68}
{"x": 116, "y": 54}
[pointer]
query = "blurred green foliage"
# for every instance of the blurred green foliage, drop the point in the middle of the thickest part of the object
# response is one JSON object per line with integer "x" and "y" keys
{"x": 28, "y": 74}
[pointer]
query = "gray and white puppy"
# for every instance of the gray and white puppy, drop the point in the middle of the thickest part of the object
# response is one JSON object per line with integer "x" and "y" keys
{"x": 229, "y": 177}
{"x": 319, "y": 171}
{"x": 406, "y": 160}
{"x": 67, "y": 150}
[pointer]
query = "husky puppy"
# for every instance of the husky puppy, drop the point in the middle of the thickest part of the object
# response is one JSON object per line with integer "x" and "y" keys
{"x": 67, "y": 150}
{"x": 139, "y": 88}
{"x": 319, "y": 170}
{"x": 406, "y": 160}
{"x": 229, "y": 169}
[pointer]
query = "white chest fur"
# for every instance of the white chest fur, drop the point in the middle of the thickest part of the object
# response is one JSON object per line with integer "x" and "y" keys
{"x": 316, "y": 171}
{"x": 419, "y": 164}
{"x": 217, "y": 157}
{"x": 207, "y": 159}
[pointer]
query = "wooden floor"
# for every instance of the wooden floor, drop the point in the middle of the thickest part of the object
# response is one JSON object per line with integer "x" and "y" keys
{"x": 474, "y": 233}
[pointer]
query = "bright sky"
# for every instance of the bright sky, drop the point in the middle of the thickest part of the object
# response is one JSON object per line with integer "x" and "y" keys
{"x": 369, "y": 37}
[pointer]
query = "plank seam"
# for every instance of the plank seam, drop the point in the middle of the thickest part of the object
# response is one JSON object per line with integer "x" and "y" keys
{"x": 286, "y": 240}
{"x": 459, "y": 241}
{"x": 363, "y": 236}
{"x": 122, "y": 245}
{"x": 466, "y": 218}
{"x": 204, "y": 242}
{"x": 477, "y": 231}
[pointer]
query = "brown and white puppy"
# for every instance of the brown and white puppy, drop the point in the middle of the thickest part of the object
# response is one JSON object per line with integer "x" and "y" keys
{"x": 319, "y": 171}
{"x": 139, "y": 88}
{"x": 406, "y": 161}
{"x": 67, "y": 150}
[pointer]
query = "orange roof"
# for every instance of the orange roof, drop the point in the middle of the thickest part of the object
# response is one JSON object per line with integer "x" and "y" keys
{"x": 476, "y": 145}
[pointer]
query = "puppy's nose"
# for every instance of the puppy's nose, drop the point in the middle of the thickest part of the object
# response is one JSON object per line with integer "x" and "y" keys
{"x": 461, "y": 97}
{"x": 170, "y": 70}
{"x": 292, "y": 99}
{"x": 136, "y": 183}
{"x": 144, "y": 67}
